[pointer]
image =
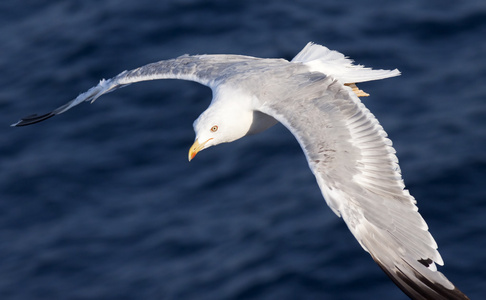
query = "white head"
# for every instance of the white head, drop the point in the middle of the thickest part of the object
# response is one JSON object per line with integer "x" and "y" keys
{"x": 220, "y": 123}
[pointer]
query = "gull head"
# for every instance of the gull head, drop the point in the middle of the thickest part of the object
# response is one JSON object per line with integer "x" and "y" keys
{"x": 222, "y": 122}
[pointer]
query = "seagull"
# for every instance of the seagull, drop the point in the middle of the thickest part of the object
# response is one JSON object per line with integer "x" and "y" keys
{"x": 315, "y": 97}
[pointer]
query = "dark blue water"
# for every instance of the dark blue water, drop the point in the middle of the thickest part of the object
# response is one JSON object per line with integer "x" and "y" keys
{"x": 101, "y": 203}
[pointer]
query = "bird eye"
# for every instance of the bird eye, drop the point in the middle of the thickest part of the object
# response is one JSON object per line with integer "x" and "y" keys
{"x": 214, "y": 128}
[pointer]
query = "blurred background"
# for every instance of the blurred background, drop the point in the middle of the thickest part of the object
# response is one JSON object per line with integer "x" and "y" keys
{"x": 101, "y": 202}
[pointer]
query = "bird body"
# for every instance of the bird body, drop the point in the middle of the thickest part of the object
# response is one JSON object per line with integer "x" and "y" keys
{"x": 354, "y": 163}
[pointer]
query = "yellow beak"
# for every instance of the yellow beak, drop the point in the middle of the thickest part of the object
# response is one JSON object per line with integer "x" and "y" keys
{"x": 195, "y": 148}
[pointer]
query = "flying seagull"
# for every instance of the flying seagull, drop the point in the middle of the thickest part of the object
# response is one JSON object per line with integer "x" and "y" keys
{"x": 315, "y": 96}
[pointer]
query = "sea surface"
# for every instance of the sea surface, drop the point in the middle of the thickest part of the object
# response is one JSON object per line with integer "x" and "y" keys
{"x": 101, "y": 202}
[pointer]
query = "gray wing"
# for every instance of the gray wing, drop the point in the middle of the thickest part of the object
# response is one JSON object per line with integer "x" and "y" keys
{"x": 358, "y": 173}
{"x": 209, "y": 70}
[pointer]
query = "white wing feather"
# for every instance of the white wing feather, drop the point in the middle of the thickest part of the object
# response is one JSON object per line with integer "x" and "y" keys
{"x": 358, "y": 174}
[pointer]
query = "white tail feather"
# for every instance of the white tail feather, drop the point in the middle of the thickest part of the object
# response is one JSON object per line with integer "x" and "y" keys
{"x": 332, "y": 63}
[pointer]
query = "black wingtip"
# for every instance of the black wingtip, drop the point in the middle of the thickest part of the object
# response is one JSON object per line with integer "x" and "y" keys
{"x": 32, "y": 119}
{"x": 421, "y": 288}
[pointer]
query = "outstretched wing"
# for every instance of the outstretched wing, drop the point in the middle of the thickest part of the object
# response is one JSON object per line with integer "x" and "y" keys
{"x": 358, "y": 173}
{"x": 208, "y": 70}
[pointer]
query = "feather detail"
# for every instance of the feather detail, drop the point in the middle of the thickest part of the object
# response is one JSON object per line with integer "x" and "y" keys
{"x": 333, "y": 63}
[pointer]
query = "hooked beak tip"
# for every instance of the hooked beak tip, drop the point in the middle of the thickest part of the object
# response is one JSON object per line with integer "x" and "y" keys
{"x": 191, "y": 155}
{"x": 195, "y": 148}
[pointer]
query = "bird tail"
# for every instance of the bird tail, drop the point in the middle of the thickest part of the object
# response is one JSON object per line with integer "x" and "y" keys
{"x": 335, "y": 64}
